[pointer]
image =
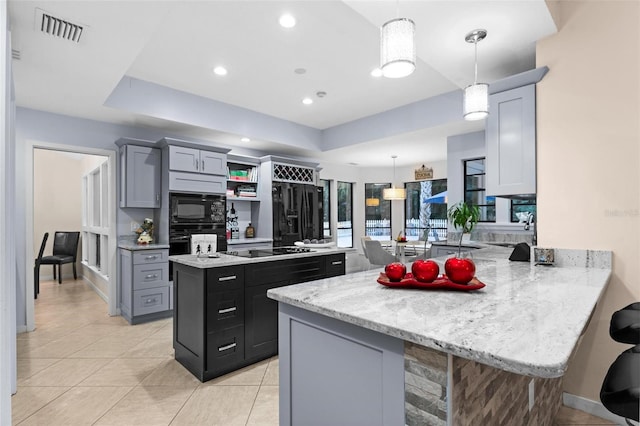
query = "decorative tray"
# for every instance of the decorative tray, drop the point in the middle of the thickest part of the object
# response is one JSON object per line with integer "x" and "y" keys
{"x": 442, "y": 282}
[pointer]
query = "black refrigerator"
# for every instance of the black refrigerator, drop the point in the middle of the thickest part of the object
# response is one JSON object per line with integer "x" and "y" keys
{"x": 297, "y": 213}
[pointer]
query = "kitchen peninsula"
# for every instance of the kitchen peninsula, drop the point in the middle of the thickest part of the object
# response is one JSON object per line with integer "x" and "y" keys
{"x": 356, "y": 352}
{"x": 223, "y": 319}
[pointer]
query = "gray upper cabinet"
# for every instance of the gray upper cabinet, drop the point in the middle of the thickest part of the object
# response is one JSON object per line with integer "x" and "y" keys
{"x": 184, "y": 159}
{"x": 511, "y": 142}
{"x": 140, "y": 180}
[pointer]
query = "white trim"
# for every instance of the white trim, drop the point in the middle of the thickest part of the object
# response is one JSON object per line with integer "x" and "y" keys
{"x": 592, "y": 407}
{"x": 95, "y": 287}
{"x": 111, "y": 259}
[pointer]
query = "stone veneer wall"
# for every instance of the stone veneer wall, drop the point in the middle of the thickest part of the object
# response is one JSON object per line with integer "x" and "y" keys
{"x": 481, "y": 395}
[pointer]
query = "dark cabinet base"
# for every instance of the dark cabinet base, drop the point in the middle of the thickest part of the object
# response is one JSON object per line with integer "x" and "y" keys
{"x": 223, "y": 319}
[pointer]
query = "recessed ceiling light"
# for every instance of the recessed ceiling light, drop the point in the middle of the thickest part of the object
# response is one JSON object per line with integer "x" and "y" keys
{"x": 376, "y": 73}
{"x": 307, "y": 101}
{"x": 245, "y": 139}
{"x": 300, "y": 70}
{"x": 287, "y": 21}
{"x": 220, "y": 71}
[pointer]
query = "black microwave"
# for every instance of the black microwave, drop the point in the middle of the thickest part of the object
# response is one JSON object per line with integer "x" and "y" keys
{"x": 197, "y": 209}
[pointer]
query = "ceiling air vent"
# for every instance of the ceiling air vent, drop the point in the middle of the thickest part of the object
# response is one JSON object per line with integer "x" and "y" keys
{"x": 58, "y": 27}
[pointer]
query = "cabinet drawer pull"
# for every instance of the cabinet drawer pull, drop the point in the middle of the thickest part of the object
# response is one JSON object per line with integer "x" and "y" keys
{"x": 226, "y": 311}
{"x": 229, "y": 278}
{"x": 152, "y": 257}
{"x": 151, "y": 276}
{"x": 227, "y": 347}
{"x": 337, "y": 262}
{"x": 151, "y": 301}
{"x": 202, "y": 166}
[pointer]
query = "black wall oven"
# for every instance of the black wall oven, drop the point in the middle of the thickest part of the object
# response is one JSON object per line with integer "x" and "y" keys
{"x": 195, "y": 214}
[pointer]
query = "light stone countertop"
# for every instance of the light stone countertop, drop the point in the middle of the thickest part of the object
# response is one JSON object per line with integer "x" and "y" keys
{"x": 229, "y": 260}
{"x": 133, "y": 246}
{"x": 527, "y": 320}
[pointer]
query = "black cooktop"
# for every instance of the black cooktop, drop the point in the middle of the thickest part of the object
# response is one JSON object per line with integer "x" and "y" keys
{"x": 268, "y": 252}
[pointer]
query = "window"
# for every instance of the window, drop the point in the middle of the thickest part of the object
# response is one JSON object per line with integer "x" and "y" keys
{"x": 345, "y": 214}
{"x": 377, "y": 221}
{"x": 426, "y": 206}
{"x": 95, "y": 219}
{"x": 326, "y": 206}
{"x": 474, "y": 189}
{"x": 522, "y": 206}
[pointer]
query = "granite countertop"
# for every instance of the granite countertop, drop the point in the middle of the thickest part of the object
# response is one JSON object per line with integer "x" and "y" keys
{"x": 248, "y": 240}
{"x": 527, "y": 320}
{"x": 229, "y": 260}
{"x": 132, "y": 245}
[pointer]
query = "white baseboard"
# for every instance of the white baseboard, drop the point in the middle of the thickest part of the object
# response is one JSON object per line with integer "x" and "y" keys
{"x": 592, "y": 407}
{"x": 21, "y": 329}
{"x": 95, "y": 288}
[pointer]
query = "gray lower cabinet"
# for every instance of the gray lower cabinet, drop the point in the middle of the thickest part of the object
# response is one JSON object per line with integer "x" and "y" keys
{"x": 145, "y": 292}
{"x": 223, "y": 319}
{"x": 140, "y": 183}
{"x": 334, "y": 373}
{"x": 511, "y": 142}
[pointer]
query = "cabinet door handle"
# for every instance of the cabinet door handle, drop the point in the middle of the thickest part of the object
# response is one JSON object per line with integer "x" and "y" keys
{"x": 337, "y": 262}
{"x": 229, "y": 278}
{"x": 226, "y": 311}
{"x": 150, "y": 301}
{"x": 195, "y": 163}
{"x": 151, "y": 276}
{"x": 157, "y": 197}
{"x": 227, "y": 347}
{"x": 202, "y": 165}
{"x": 155, "y": 256}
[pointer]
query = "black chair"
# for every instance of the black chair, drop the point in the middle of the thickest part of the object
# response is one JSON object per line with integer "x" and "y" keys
{"x": 65, "y": 250}
{"x": 620, "y": 391}
{"x": 36, "y": 268}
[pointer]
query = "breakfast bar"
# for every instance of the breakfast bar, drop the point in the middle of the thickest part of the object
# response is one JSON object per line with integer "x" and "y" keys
{"x": 352, "y": 350}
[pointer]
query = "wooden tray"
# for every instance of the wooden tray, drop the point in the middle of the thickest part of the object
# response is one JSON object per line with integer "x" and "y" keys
{"x": 440, "y": 283}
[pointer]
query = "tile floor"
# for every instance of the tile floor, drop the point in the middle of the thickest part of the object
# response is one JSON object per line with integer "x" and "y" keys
{"x": 82, "y": 367}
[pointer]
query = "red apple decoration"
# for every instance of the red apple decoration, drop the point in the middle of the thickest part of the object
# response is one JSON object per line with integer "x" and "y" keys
{"x": 395, "y": 271}
{"x": 460, "y": 270}
{"x": 425, "y": 270}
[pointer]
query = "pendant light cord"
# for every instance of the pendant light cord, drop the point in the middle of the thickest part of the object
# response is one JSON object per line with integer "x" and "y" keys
{"x": 475, "y": 75}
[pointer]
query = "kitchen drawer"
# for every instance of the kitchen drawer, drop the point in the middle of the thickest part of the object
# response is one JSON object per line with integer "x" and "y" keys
{"x": 199, "y": 183}
{"x": 225, "y": 348}
{"x": 335, "y": 265}
{"x": 150, "y": 300}
{"x": 225, "y": 278}
{"x": 150, "y": 256}
{"x": 307, "y": 269}
{"x": 151, "y": 275}
{"x": 225, "y": 309}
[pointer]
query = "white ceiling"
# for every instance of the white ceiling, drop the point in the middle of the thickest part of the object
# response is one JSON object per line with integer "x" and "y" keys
{"x": 177, "y": 44}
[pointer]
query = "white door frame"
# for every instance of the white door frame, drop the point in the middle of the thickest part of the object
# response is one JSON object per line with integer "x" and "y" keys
{"x": 111, "y": 259}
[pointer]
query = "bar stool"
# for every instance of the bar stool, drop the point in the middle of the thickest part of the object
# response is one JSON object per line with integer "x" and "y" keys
{"x": 620, "y": 391}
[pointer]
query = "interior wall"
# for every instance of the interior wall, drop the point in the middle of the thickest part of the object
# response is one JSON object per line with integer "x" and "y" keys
{"x": 57, "y": 200}
{"x": 589, "y": 160}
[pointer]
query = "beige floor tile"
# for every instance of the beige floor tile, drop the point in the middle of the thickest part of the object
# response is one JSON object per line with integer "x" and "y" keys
{"x": 63, "y": 347}
{"x": 250, "y": 375}
{"x": 27, "y": 367}
{"x": 165, "y": 332}
{"x": 265, "y": 408}
{"x": 27, "y": 400}
{"x": 570, "y": 416}
{"x": 171, "y": 373}
{"x": 107, "y": 347}
{"x": 25, "y": 348}
{"x": 67, "y": 372}
{"x": 271, "y": 378}
{"x": 217, "y": 405}
{"x": 151, "y": 348}
{"x": 78, "y": 406}
{"x": 123, "y": 372}
{"x": 161, "y": 404}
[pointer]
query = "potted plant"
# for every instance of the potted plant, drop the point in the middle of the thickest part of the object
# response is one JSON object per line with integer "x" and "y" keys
{"x": 464, "y": 217}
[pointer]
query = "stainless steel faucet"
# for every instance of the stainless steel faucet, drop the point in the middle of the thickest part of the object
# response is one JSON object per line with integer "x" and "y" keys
{"x": 527, "y": 226}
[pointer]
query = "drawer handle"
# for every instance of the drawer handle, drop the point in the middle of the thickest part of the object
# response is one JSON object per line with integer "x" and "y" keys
{"x": 227, "y": 347}
{"x": 155, "y": 256}
{"x": 337, "y": 262}
{"x": 150, "y": 301}
{"x": 226, "y": 311}
{"x": 151, "y": 276}
{"x": 229, "y": 278}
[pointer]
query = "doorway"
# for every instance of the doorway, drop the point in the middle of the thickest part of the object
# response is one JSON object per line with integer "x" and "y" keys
{"x": 73, "y": 189}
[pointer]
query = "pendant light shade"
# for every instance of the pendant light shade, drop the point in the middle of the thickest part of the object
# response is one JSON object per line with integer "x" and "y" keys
{"x": 398, "y": 48}
{"x": 476, "y": 96}
{"x": 394, "y": 193}
{"x": 372, "y": 202}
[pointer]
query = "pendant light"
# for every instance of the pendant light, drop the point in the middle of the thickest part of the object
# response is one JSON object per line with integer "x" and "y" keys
{"x": 397, "y": 47}
{"x": 394, "y": 193}
{"x": 373, "y": 201}
{"x": 476, "y": 96}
